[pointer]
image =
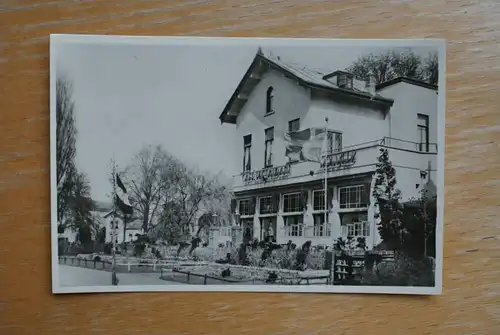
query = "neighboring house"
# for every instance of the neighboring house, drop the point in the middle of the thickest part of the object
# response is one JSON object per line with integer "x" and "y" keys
{"x": 103, "y": 218}
{"x": 279, "y": 189}
{"x": 124, "y": 233}
{"x": 98, "y": 217}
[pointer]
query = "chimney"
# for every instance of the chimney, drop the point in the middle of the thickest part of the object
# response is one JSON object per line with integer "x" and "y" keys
{"x": 371, "y": 83}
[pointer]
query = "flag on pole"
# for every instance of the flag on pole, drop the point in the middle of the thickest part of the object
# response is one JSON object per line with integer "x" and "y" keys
{"x": 122, "y": 198}
{"x": 305, "y": 145}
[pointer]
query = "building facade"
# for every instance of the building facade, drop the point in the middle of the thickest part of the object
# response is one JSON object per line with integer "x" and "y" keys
{"x": 102, "y": 217}
{"x": 281, "y": 195}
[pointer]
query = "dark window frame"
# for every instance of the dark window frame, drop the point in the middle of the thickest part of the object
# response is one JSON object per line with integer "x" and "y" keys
{"x": 291, "y": 124}
{"x": 269, "y": 100}
{"x": 247, "y": 146}
{"x": 268, "y": 145}
{"x": 424, "y": 147}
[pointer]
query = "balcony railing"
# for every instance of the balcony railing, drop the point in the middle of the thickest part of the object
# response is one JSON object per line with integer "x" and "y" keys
{"x": 306, "y": 231}
{"x": 408, "y": 145}
{"x": 359, "y": 158}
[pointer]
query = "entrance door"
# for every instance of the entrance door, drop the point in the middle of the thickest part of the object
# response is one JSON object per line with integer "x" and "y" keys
{"x": 268, "y": 228}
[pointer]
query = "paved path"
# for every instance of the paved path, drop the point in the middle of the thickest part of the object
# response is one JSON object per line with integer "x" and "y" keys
{"x": 76, "y": 276}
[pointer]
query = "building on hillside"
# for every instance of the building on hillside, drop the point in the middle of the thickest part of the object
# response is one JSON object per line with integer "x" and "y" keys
{"x": 280, "y": 192}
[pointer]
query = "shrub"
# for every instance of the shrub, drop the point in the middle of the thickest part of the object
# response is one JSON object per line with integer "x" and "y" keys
{"x": 316, "y": 260}
{"x": 403, "y": 271}
{"x": 108, "y": 248}
{"x": 139, "y": 249}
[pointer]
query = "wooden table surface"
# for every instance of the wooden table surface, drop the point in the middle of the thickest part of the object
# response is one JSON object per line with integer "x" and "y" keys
{"x": 471, "y": 300}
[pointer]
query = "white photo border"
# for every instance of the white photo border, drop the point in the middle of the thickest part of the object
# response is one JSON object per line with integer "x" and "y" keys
{"x": 439, "y": 44}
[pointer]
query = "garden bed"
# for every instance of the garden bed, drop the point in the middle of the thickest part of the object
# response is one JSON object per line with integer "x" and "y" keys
{"x": 247, "y": 274}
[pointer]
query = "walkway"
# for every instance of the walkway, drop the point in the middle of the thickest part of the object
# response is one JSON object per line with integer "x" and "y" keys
{"x": 76, "y": 276}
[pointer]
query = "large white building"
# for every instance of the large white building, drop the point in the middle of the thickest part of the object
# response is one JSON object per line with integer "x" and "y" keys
{"x": 285, "y": 193}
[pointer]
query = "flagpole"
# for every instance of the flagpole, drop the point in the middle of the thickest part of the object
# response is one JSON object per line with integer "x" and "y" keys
{"x": 326, "y": 173}
{"x": 114, "y": 279}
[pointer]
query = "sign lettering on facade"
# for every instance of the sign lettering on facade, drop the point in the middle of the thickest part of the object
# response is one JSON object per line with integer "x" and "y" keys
{"x": 341, "y": 160}
{"x": 267, "y": 174}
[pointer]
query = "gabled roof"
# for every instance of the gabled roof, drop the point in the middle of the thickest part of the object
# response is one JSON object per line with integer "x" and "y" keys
{"x": 408, "y": 81}
{"x": 303, "y": 75}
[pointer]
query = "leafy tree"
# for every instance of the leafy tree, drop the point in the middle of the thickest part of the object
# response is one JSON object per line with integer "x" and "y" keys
{"x": 387, "y": 200}
{"x": 393, "y": 63}
{"x": 420, "y": 218}
{"x": 408, "y": 227}
{"x": 430, "y": 71}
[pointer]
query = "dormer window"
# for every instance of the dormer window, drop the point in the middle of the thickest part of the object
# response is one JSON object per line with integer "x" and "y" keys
{"x": 344, "y": 80}
{"x": 269, "y": 100}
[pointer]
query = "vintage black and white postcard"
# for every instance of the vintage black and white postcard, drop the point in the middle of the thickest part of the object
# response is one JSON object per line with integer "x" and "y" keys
{"x": 247, "y": 164}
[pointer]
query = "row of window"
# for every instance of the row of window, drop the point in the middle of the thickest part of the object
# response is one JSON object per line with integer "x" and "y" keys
{"x": 334, "y": 138}
{"x": 350, "y": 197}
{"x": 293, "y": 125}
{"x": 354, "y": 225}
{"x": 334, "y": 144}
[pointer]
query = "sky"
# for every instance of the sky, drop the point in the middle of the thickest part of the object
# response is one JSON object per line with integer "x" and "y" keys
{"x": 128, "y": 95}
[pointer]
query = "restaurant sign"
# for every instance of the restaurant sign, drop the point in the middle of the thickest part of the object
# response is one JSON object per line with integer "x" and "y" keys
{"x": 266, "y": 175}
{"x": 340, "y": 160}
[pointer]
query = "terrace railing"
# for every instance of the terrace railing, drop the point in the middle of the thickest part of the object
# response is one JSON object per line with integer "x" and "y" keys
{"x": 358, "y": 158}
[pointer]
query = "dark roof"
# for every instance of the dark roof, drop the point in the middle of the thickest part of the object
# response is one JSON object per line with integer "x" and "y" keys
{"x": 334, "y": 73}
{"x": 408, "y": 81}
{"x": 307, "y": 77}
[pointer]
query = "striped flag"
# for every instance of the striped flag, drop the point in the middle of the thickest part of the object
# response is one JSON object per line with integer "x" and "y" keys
{"x": 305, "y": 145}
{"x": 122, "y": 198}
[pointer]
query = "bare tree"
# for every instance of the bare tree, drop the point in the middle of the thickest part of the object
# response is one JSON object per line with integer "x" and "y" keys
{"x": 393, "y": 63}
{"x": 148, "y": 177}
{"x": 190, "y": 193}
{"x": 65, "y": 142}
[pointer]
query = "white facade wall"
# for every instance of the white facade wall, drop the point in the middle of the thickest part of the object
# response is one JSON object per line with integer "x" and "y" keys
{"x": 357, "y": 124}
{"x": 362, "y": 128}
{"x": 129, "y": 234}
{"x": 290, "y": 102}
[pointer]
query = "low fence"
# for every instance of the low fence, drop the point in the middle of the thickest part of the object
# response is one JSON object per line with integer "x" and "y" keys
{"x": 348, "y": 264}
{"x": 107, "y": 265}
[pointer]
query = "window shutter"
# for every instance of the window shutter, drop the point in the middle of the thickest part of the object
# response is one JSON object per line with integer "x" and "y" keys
{"x": 304, "y": 200}
{"x": 329, "y": 197}
{"x": 366, "y": 194}
{"x": 233, "y": 205}
{"x": 276, "y": 203}
{"x": 253, "y": 201}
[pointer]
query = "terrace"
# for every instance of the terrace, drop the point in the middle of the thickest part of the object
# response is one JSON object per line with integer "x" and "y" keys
{"x": 355, "y": 159}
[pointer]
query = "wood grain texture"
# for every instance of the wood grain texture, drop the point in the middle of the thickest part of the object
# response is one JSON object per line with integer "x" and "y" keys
{"x": 471, "y": 300}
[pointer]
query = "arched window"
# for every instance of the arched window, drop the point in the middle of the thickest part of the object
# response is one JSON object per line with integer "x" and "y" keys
{"x": 269, "y": 100}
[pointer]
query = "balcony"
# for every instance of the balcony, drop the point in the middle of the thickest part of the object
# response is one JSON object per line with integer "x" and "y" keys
{"x": 355, "y": 159}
